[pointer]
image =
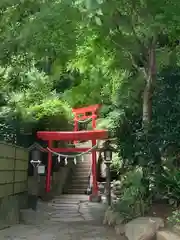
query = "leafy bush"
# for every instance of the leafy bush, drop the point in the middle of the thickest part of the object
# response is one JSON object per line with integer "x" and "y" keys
{"x": 132, "y": 202}
{"x": 174, "y": 218}
{"x": 30, "y": 104}
{"x": 116, "y": 163}
{"x": 137, "y": 148}
{"x": 168, "y": 184}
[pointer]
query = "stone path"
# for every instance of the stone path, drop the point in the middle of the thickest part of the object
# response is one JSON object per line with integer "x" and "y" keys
{"x": 70, "y": 217}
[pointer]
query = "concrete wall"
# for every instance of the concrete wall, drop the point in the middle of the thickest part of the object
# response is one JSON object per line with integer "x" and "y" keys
{"x": 62, "y": 178}
{"x": 13, "y": 183}
{"x": 59, "y": 181}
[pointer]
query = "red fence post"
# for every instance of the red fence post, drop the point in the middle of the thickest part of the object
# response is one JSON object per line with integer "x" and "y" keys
{"x": 93, "y": 120}
{"x": 75, "y": 125}
{"x": 95, "y": 186}
{"x": 49, "y": 167}
{"x": 95, "y": 197}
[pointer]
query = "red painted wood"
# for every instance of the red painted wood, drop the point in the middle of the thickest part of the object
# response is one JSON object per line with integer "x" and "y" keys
{"x": 93, "y": 120}
{"x": 86, "y": 109}
{"x": 79, "y": 114}
{"x": 75, "y": 125}
{"x": 94, "y": 163}
{"x": 83, "y": 117}
{"x": 48, "y": 176}
{"x": 67, "y": 136}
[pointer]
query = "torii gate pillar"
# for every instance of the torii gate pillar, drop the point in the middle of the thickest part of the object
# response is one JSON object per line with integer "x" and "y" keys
{"x": 95, "y": 196}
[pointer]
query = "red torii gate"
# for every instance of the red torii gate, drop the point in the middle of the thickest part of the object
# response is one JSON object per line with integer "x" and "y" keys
{"x": 51, "y": 136}
{"x": 93, "y": 135}
{"x": 81, "y": 114}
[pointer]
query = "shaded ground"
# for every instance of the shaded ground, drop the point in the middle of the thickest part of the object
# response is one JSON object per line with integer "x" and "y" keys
{"x": 65, "y": 218}
{"x": 161, "y": 210}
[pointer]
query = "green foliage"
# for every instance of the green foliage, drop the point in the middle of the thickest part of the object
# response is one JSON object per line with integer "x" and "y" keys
{"x": 174, "y": 219}
{"x": 34, "y": 96}
{"x": 61, "y": 54}
{"x": 53, "y": 113}
{"x": 166, "y": 106}
{"x": 168, "y": 184}
{"x": 132, "y": 202}
{"x": 116, "y": 163}
{"x": 51, "y": 107}
{"x": 30, "y": 103}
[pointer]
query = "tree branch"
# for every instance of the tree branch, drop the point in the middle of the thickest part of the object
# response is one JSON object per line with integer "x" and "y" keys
{"x": 139, "y": 69}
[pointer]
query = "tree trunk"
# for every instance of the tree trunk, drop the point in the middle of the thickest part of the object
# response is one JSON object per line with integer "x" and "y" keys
{"x": 149, "y": 87}
{"x": 147, "y": 104}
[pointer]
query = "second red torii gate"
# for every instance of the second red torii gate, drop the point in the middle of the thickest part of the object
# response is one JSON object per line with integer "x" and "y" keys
{"x": 83, "y": 114}
{"x": 51, "y": 136}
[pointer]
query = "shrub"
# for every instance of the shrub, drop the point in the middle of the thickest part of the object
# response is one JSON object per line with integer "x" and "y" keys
{"x": 168, "y": 184}
{"x": 174, "y": 218}
{"x": 132, "y": 202}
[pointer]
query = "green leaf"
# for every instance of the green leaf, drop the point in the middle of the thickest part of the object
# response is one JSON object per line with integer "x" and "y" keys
{"x": 98, "y": 21}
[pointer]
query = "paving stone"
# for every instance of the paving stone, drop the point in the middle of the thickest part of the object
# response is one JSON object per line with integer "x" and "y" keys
{"x": 67, "y": 220}
{"x": 166, "y": 235}
{"x": 71, "y": 218}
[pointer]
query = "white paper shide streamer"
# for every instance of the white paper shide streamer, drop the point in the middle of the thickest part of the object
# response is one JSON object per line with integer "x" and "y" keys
{"x": 66, "y": 161}
{"x": 81, "y": 155}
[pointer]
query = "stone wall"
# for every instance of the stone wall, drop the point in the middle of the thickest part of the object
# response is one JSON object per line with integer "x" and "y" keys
{"x": 13, "y": 183}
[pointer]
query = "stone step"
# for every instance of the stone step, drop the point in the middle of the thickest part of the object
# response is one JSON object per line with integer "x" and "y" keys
{"x": 76, "y": 191}
{"x": 80, "y": 176}
{"x": 84, "y": 168}
{"x": 82, "y": 165}
{"x": 74, "y": 183}
{"x": 79, "y": 180}
{"x": 166, "y": 235}
{"x": 68, "y": 198}
{"x": 70, "y": 219}
{"x": 81, "y": 170}
{"x": 84, "y": 162}
{"x": 79, "y": 186}
{"x": 85, "y": 179}
{"x": 60, "y": 203}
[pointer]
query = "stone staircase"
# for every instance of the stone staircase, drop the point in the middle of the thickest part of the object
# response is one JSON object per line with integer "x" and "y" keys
{"x": 81, "y": 172}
